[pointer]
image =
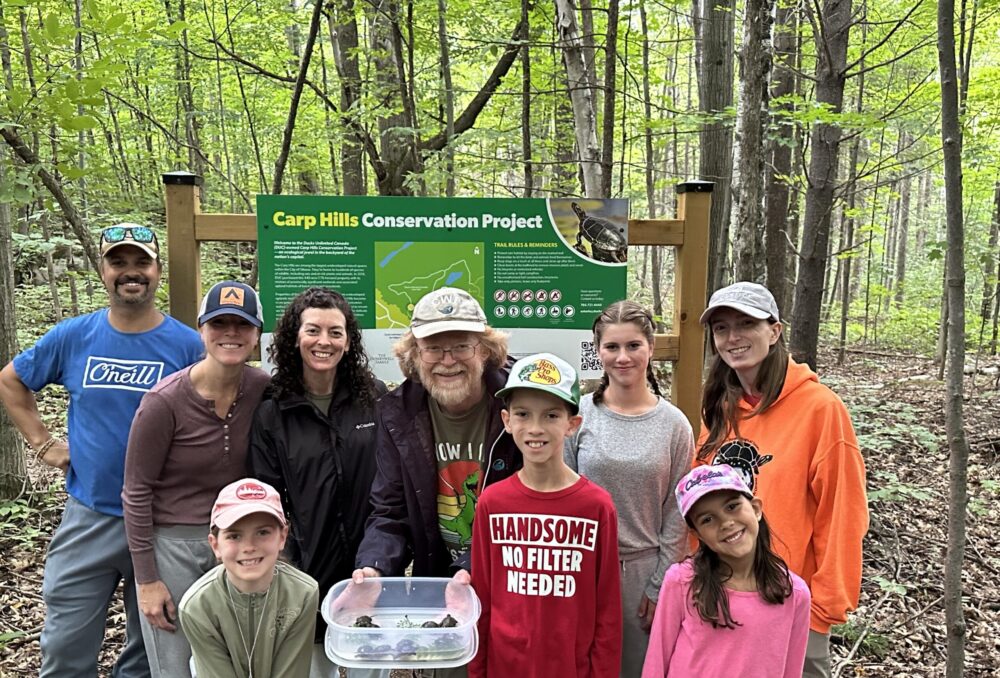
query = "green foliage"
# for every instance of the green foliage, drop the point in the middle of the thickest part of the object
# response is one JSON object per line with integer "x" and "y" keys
{"x": 882, "y": 425}
{"x": 15, "y": 525}
{"x": 873, "y": 644}
{"x": 21, "y": 521}
{"x": 889, "y": 488}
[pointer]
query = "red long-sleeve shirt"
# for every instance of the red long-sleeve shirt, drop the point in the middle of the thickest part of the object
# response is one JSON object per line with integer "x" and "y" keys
{"x": 545, "y": 566}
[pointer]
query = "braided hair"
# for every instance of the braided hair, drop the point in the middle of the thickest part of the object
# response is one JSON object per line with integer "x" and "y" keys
{"x": 618, "y": 313}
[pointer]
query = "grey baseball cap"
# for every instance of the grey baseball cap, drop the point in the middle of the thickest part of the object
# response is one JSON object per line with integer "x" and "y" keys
{"x": 746, "y": 297}
{"x": 545, "y": 372}
{"x": 447, "y": 309}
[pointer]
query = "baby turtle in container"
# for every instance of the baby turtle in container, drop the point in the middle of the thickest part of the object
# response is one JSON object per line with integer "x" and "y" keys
{"x": 365, "y": 622}
{"x": 446, "y": 623}
{"x": 607, "y": 241}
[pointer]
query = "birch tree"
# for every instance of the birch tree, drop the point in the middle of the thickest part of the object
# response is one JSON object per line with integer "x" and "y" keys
{"x": 581, "y": 97}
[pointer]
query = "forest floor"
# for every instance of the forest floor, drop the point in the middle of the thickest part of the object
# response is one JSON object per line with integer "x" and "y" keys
{"x": 899, "y": 628}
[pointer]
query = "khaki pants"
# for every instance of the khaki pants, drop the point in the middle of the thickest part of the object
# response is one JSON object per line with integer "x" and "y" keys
{"x": 817, "y": 656}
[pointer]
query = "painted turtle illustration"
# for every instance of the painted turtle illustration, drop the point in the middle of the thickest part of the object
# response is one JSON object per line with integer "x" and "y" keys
{"x": 607, "y": 241}
{"x": 743, "y": 456}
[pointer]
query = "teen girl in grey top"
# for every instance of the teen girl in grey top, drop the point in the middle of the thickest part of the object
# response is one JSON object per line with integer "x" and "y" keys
{"x": 637, "y": 446}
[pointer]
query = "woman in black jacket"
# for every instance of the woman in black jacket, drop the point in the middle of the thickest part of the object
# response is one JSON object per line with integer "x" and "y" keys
{"x": 313, "y": 438}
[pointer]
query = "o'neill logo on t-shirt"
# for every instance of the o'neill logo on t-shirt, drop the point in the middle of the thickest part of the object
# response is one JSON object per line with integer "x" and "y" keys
{"x": 126, "y": 375}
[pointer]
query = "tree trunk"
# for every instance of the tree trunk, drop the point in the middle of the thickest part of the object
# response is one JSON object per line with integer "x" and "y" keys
{"x": 958, "y": 499}
{"x": 529, "y": 174}
{"x": 293, "y": 109}
{"x": 50, "y": 268}
{"x": 852, "y": 188}
{"x": 581, "y": 98}
{"x": 12, "y": 470}
{"x": 343, "y": 27}
{"x": 990, "y": 286}
{"x": 237, "y": 69}
{"x": 776, "y": 190}
{"x": 825, "y": 146}
{"x": 715, "y": 95}
{"x": 902, "y": 233}
{"x": 647, "y": 109}
{"x": 448, "y": 100}
{"x": 608, "y": 124}
{"x": 182, "y": 72}
{"x": 589, "y": 49}
{"x": 755, "y": 67}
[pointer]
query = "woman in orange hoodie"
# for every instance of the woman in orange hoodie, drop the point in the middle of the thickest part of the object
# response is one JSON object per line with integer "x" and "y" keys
{"x": 792, "y": 438}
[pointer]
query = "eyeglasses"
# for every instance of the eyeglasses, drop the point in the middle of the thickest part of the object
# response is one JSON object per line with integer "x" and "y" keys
{"x": 435, "y": 354}
{"x": 115, "y": 234}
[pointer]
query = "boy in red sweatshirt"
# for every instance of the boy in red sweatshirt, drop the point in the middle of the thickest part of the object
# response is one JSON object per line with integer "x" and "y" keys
{"x": 545, "y": 544}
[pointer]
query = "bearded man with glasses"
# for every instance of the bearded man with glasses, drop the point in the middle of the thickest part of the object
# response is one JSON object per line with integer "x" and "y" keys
{"x": 439, "y": 441}
{"x": 106, "y": 361}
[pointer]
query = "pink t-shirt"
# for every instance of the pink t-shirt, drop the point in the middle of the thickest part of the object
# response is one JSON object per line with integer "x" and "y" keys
{"x": 770, "y": 642}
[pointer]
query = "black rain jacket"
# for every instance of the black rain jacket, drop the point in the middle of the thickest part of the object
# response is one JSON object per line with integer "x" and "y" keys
{"x": 323, "y": 467}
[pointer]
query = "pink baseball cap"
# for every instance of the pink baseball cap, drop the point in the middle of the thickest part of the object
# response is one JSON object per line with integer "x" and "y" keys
{"x": 240, "y": 499}
{"x": 702, "y": 480}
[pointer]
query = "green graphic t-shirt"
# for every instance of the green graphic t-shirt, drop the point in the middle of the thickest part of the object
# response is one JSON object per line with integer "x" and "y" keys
{"x": 459, "y": 450}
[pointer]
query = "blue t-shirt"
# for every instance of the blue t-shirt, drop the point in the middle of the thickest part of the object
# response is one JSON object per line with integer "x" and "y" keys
{"x": 106, "y": 373}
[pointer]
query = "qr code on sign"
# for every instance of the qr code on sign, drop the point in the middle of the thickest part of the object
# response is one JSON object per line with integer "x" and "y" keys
{"x": 589, "y": 360}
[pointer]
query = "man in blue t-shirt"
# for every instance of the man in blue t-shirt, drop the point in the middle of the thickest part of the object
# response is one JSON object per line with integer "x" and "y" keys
{"x": 106, "y": 361}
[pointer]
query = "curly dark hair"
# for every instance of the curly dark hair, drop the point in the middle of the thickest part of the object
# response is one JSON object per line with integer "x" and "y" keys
{"x": 353, "y": 370}
{"x": 619, "y": 313}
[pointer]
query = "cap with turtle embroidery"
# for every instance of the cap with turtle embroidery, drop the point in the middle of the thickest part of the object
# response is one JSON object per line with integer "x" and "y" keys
{"x": 447, "y": 309}
{"x": 544, "y": 372}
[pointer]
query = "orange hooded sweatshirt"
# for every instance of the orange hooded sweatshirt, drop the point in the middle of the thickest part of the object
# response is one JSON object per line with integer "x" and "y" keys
{"x": 803, "y": 455}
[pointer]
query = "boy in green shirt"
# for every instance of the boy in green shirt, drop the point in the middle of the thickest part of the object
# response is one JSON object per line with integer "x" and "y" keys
{"x": 251, "y": 615}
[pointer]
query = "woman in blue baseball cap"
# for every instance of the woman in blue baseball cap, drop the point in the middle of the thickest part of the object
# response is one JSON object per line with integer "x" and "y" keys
{"x": 188, "y": 440}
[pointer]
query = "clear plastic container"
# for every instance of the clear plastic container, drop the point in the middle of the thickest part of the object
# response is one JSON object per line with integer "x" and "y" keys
{"x": 406, "y": 613}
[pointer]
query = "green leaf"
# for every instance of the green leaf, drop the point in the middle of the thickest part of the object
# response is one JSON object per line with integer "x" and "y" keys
{"x": 115, "y": 22}
{"x": 52, "y": 27}
{"x": 175, "y": 29}
{"x": 79, "y": 122}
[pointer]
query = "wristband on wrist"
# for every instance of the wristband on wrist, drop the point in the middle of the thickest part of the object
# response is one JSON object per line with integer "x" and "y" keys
{"x": 44, "y": 447}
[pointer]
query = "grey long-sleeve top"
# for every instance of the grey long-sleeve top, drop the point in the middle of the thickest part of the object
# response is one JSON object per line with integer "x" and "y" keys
{"x": 639, "y": 459}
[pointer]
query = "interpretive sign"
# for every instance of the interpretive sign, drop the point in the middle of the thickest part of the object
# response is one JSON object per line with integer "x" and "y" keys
{"x": 542, "y": 269}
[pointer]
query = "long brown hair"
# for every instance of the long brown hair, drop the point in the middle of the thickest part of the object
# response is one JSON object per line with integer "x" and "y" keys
{"x": 722, "y": 393}
{"x": 708, "y": 591}
{"x": 618, "y": 313}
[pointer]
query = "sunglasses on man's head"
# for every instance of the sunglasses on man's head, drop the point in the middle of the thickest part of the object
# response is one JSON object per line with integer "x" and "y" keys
{"x": 115, "y": 234}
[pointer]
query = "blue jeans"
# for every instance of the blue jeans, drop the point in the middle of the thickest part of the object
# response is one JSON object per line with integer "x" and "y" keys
{"x": 87, "y": 558}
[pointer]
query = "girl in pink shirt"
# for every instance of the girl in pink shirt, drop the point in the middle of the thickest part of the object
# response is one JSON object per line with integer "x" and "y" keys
{"x": 733, "y": 608}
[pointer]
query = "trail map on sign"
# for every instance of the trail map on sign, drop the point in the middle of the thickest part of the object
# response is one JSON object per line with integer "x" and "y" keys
{"x": 406, "y": 271}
